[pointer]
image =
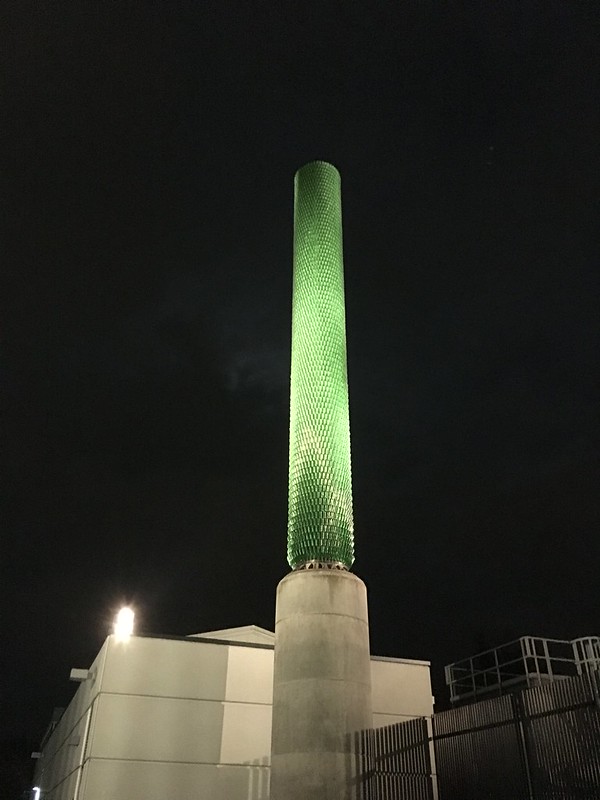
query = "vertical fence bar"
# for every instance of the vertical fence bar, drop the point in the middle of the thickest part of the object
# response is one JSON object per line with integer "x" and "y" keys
{"x": 520, "y": 722}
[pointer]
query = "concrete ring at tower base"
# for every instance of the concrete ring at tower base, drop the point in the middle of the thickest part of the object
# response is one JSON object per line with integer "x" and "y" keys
{"x": 322, "y": 684}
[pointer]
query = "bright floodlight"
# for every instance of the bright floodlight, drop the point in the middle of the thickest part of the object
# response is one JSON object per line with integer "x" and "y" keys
{"x": 124, "y": 623}
{"x": 36, "y": 793}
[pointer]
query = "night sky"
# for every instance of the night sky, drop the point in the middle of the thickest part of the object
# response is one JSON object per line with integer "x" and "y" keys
{"x": 149, "y": 154}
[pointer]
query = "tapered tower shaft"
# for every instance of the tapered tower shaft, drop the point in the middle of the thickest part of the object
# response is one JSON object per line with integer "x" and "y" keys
{"x": 320, "y": 522}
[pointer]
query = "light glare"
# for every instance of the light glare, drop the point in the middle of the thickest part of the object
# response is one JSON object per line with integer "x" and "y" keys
{"x": 123, "y": 627}
{"x": 36, "y": 793}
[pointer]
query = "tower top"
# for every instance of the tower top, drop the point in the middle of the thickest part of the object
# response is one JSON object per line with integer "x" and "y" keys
{"x": 318, "y": 163}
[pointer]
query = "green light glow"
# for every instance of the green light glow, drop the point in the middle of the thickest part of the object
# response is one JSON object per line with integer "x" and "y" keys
{"x": 320, "y": 523}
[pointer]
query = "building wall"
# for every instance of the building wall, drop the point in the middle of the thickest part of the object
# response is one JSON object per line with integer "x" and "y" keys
{"x": 57, "y": 772}
{"x": 401, "y": 690}
{"x": 179, "y": 719}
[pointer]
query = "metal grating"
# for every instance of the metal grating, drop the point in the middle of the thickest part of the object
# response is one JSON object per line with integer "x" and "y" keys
{"x": 320, "y": 521}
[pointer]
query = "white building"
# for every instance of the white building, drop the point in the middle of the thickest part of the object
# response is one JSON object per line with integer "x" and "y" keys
{"x": 189, "y": 718}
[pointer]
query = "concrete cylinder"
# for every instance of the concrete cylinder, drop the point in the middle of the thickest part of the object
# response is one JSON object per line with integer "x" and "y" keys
{"x": 321, "y": 685}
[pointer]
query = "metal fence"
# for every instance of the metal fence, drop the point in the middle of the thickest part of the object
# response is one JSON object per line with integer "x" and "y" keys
{"x": 562, "y": 739}
{"x": 395, "y": 761}
{"x": 539, "y": 744}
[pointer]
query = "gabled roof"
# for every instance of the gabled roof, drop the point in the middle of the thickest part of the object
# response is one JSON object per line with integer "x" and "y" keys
{"x": 249, "y": 634}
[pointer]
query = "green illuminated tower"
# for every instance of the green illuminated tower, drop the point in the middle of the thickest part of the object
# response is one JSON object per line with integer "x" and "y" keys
{"x": 320, "y": 525}
{"x": 322, "y": 669}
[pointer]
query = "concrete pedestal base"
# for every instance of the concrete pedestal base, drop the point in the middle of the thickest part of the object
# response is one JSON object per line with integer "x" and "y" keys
{"x": 321, "y": 685}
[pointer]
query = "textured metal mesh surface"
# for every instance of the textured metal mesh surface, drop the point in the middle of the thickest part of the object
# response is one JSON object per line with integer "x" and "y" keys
{"x": 320, "y": 524}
